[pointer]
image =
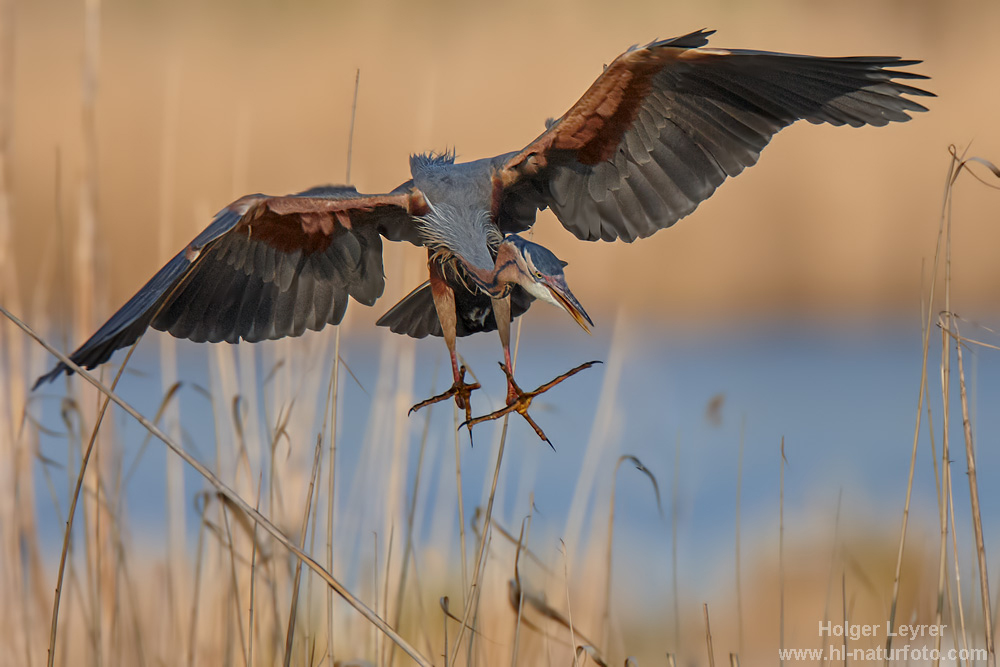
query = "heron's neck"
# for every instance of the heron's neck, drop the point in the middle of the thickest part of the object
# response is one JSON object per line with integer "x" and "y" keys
{"x": 496, "y": 281}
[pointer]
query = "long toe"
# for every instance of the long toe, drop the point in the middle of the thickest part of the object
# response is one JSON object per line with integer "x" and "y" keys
{"x": 460, "y": 391}
{"x": 520, "y": 401}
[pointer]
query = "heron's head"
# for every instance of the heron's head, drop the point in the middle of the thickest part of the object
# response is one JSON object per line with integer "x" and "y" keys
{"x": 540, "y": 273}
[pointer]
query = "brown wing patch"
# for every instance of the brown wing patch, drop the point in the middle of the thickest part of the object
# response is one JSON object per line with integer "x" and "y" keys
{"x": 308, "y": 224}
{"x": 595, "y": 125}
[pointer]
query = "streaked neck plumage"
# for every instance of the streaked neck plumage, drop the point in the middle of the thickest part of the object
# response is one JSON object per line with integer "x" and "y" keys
{"x": 459, "y": 228}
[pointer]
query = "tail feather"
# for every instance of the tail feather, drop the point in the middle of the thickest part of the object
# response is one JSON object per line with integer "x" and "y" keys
{"x": 416, "y": 315}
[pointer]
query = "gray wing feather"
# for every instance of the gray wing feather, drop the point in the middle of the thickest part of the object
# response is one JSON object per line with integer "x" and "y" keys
{"x": 702, "y": 121}
{"x": 231, "y": 287}
{"x": 265, "y": 294}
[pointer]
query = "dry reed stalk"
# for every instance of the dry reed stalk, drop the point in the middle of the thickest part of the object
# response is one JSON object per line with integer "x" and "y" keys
{"x": 294, "y": 376}
{"x": 942, "y": 502}
{"x": 830, "y": 579}
{"x": 945, "y": 322}
{"x": 605, "y": 420}
{"x": 169, "y": 396}
{"x": 569, "y": 605}
{"x": 444, "y": 623}
{"x": 245, "y": 422}
{"x": 234, "y": 584}
{"x": 521, "y": 540}
{"x": 248, "y": 430}
{"x": 304, "y": 529}
{"x": 332, "y": 400}
{"x": 591, "y": 653}
{"x": 85, "y": 290}
{"x": 781, "y": 552}
{"x": 606, "y": 620}
{"x": 926, "y": 326}
{"x": 385, "y": 589}
{"x": 226, "y": 491}
{"x": 739, "y": 496}
{"x": 15, "y": 459}
{"x": 374, "y": 468}
{"x": 977, "y": 517}
{"x": 19, "y": 551}
{"x": 472, "y": 599}
{"x": 399, "y": 455}
{"x": 949, "y": 486}
{"x": 333, "y": 395}
{"x": 843, "y": 597}
{"x": 966, "y": 421}
{"x": 229, "y": 455}
{"x": 84, "y": 266}
{"x": 74, "y": 500}
{"x": 237, "y": 384}
{"x": 945, "y": 499}
{"x": 674, "y": 521}
{"x": 222, "y": 385}
{"x": 463, "y": 553}
{"x": 609, "y": 550}
{"x": 284, "y": 433}
{"x": 350, "y": 131}
{"x": 410, "y": 519}
{"x": 945, "y": 596}
{"x": 253, "y": 579}
{"x": 113, "y": 500}
{"x": 708, "y": 638}
{"x": 195, "y": 595}
{"x": 374, "y": 630}
{"x": 942, "y": 482}
{"x": 128, "y": 585}
{"x": 946, "y": 364}
{"x": 506, "y": 534}
{"x": 9, "y": 292}
{"x": 173, "y": 469}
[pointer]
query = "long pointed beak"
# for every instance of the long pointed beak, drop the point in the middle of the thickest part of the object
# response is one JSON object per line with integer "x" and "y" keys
{"x": 560, "y": 290}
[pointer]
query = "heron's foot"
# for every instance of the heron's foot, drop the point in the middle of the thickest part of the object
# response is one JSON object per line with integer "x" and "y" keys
{"x": 519, "y": 401}
{"x": 460, "y": 390}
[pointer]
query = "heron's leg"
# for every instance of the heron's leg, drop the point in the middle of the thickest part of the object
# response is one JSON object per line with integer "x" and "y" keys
{"x": 444, "y": 303}
{"x": 501, "y": 312}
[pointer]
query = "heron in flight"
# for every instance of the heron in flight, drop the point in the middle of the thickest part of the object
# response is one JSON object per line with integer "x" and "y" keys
{"x": 658, "y": 131}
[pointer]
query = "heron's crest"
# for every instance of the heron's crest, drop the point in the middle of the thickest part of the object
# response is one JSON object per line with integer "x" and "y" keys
{"x": 431, "y": 159}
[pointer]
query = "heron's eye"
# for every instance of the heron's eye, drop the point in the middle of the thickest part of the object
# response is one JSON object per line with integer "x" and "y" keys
{"x": 538, "y": 274}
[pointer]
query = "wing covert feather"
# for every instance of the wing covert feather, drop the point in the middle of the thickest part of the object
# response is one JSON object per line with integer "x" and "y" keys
{"x": 265, "y": 268}
{"x": 667, "y": 123}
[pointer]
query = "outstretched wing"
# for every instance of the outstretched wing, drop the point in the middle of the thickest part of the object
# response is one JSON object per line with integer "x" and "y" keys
{"x": 666, "y": 123}
{"x": 265, "y": 268}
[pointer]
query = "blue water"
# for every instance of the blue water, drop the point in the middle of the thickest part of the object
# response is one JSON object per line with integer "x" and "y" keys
{"x": 843, "y": 398}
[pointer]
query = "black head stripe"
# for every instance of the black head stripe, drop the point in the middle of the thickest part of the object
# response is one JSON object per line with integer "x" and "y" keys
{"x": 544, "y": 260}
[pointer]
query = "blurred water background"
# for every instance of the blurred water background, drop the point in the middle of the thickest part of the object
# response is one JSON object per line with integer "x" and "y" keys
{"x": 843, "y": 400}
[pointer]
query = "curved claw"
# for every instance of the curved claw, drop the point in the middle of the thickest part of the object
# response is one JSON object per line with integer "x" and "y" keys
{"x": 462, "y": 393}
{"x": 519, "y": 401}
